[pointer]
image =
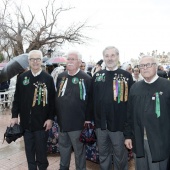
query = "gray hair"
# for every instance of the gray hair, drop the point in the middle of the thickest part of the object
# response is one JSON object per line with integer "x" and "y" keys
{"x": 152, "y": 57}
{"x": 111, "y": 47}
{"x": 35, "y": 52}
{"x": 125, "y": 66}
{"x": 76, "y": 53}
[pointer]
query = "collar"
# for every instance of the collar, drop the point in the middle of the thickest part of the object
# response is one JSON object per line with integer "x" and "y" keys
{"x": 113, "y": 69}
{"x": 36, "y": 74}
{"x": 75, "y": 73}
{"x": 153, "y": 80}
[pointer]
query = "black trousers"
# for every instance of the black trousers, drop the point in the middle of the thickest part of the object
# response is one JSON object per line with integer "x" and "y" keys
{"x": 36, "y": 149}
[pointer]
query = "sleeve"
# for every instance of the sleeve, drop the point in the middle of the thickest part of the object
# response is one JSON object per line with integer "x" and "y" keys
{"x": 131, "y": 82}
{"x": 56, "y": 93}
{"x": 16, "y": 102}
{"x": 128, "y": 127}
{"x": 51, "y": 99}
{"x": 89, "y": 114}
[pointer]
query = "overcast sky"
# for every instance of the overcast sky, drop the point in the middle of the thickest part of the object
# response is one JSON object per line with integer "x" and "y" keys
{"x": 133, "y": 26}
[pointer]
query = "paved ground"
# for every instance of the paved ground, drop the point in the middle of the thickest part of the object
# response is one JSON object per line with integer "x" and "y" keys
{"x": 12, "y": 156}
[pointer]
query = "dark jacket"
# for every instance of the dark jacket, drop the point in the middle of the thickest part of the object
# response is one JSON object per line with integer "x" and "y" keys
{"x": 4, "y": 85}
{"x": 33, "y": 117}
{"x": 141, "y": 113}
{"x": 71, "y": 107}
{"x": 110, "y": 114}
{"x": 162, "y": 74}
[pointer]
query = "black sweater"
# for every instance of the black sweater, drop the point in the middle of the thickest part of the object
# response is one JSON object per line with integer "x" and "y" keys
{"x": 72, "y": 111}
{"x": 33, "y": 118}
{"x": 108, "y": 113}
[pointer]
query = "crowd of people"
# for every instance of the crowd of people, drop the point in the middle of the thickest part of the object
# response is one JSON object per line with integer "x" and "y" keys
{"x": 129, "y": 106}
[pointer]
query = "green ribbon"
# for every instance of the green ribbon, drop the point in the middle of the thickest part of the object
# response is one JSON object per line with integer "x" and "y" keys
{"x": 39, "y": 95}
{"x": 119, "y": 91}
{"x": 81, "y": 91}
{"x": 157, "y": 108}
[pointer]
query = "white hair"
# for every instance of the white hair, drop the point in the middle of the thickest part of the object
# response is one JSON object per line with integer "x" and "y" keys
{"x": 76, "y": 53}
{"x": 152, "y": 57}
{"x": 111, "y": 47}
{"x": 35, "y": 52}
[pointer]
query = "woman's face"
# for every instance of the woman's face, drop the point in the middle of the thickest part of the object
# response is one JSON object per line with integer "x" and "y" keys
{"x": 136, "y": 71}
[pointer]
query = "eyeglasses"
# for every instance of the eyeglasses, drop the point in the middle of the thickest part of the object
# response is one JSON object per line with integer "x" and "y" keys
{"x": 35, "y": 59}
{"x": 71, "y": 59}
{"x": 148, "y": 65}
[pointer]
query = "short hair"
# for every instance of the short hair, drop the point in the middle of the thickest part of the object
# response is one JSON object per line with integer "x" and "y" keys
{"x": 100, "y": 62}
{"x": 136, "y": 66}
{"x": 159, "y": 67}
{"x": 152, "y": 57}
{"x": 111, "y": 47}
{"x": 125, "y": 66}
{"x": 35, "y": 52}
{"x": 76, "y": 53}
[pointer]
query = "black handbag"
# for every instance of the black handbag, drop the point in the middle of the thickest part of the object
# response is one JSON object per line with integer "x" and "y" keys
{"x": 13, "y": 133}
{"x": 88, "y": 135}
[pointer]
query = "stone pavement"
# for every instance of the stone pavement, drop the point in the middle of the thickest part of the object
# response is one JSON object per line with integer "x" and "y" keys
{"x": 12, "y": 156}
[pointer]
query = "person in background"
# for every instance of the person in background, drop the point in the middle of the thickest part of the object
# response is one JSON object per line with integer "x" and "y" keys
{"x": 72, "y": 97}
{"x": 97, "y": 67}
{"x": 50, "y": 68}
{"x": 161, "y": 72}
{"x": 110, "y": 96}
{"x": 83, "y": 68}
{"x": 127, "y": 67}
{"x": 148, "y": 119}
{"x": 4, "y": 86}
{"x": 168, "y": 73}
{"x": 136, "y": 74}
{"x": 89, "y": 68}
{"x": 34, "y": 103}
{"x": 55, "y": 74}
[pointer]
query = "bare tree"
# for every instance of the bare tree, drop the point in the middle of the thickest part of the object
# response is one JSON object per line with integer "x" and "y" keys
{"x": 16, "y": 31}
{"x": 163, "y": 58}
